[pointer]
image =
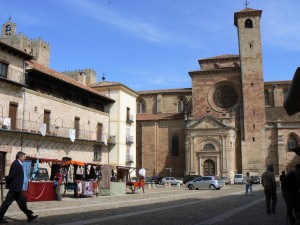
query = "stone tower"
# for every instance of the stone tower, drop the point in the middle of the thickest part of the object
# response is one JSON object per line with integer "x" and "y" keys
{"x": 38, "y": 48}
{"x": 253, "y": 123}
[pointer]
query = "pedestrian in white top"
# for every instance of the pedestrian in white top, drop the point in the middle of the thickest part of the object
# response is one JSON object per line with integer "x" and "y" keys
{"x": 248, "y": 183}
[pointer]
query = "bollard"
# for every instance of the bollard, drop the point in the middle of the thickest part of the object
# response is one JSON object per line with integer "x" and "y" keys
{"x": 178, "y": 185}
{"x": 153, "y": 185}
{"x": 165, "y": 185}
{"x": 169, "y": 184}
{"x": 149, "y": 185}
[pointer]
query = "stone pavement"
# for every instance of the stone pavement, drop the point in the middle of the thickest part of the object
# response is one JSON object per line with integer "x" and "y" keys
{"x": 166, "y": 206}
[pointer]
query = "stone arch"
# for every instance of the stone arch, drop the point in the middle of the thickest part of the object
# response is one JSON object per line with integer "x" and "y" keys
{"x": 248, "y": 23}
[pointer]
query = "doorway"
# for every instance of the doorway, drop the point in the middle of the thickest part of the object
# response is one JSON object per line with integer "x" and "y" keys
{"x": 209, "y": 168}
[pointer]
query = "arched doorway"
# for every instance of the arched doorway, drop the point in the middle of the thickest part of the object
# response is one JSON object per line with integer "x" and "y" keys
{"x": 209, "y": 168}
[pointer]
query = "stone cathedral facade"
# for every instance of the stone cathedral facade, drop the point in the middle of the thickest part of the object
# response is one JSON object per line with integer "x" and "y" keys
{"x": 230, "y": 121}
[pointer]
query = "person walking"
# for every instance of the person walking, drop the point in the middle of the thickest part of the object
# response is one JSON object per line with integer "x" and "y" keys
{"x": 248, "y": 183}
{"x": 269, "y": 184}
{"x": 290, "y": 190}
{"x": 14, "y": 183}
{"x": 281, "y": 177}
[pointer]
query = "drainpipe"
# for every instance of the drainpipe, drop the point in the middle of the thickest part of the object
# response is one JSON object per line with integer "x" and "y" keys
{"x": 24, "y": 103}
{"x": 155, "y": 153}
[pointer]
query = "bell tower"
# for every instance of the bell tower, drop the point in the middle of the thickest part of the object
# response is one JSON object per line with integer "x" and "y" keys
{"x": 8, "y": 29}
{"x": 253, "y": 149}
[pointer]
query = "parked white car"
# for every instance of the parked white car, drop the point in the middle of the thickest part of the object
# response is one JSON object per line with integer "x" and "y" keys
{"x": 171, "y": 180}
{"x": 238, "y": 179}
{"x": 205, "y": 182}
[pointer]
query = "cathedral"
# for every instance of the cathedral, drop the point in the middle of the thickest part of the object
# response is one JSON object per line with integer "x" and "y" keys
{"x": 230, "y": 121}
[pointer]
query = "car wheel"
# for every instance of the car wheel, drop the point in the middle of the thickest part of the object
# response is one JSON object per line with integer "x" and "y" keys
{"x": 191, "y": 187}
{"x": 212, "y": 187}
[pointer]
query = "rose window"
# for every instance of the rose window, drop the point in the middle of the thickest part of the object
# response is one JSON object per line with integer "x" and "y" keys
{"x": 225, "y": 96}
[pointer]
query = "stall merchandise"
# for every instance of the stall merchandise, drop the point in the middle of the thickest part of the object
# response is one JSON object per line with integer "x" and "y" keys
{"x": 82, "y": 178}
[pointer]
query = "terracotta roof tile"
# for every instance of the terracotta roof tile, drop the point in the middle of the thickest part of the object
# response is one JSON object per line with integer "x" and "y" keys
{"x": 165, "y": 91}
{"x": 226, "y": 56}
{"x": 160, "y": 116}
{"x": 36, "y": 66}
{"x": 274, "y": 114}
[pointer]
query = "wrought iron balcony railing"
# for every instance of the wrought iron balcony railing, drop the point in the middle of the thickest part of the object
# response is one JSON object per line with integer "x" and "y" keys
{"x": 129, "y": 139}
{"x": 54, "y": 130}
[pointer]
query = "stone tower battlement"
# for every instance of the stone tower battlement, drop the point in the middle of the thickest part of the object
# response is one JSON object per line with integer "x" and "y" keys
{"x": 86, "y": 76}
{"x": 37, "y": 47}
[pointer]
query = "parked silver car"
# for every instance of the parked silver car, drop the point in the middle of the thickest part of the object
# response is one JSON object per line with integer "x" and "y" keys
{"x": 205, "y": 182}
{"x": 171, "y": 180}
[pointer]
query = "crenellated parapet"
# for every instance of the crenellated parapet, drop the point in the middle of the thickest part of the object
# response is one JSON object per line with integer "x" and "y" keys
{"x": 86, "y": 76}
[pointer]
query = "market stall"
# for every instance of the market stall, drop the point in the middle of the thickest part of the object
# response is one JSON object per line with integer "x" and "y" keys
{"x": 37, "y": 188}
{"x": 81, "y": 178}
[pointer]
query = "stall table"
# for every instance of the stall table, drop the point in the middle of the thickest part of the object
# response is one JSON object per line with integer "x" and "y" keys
{"x": 40, "y": 191}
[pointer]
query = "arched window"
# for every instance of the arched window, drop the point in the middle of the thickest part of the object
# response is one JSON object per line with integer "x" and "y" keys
{"x": 140, "y": 107}
{"x": 267, "y": 97}
{"x": 248, "y": 23}
{"x": 285, "y": 93}
{"x": 292, "y": 142}
{"x": 209, "y": 147}
{"x": 175, "y": 145}
{"x": 181, "y": 105}
{"x": 8, "y": 30}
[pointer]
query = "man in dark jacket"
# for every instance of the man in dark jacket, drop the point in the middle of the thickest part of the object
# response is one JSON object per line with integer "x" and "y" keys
{"x": 14, "y": 183}
{"x": 290, "y": 190}
{"x": 269, "y": 184}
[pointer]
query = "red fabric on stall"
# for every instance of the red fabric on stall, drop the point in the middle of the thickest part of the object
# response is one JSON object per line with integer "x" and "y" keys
{"x": 40, "y": 191}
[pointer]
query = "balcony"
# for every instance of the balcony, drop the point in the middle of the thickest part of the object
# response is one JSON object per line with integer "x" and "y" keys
{"x": 130, "y": 119}
{"x": 14, "y": 76}
{"x": 33, "y": 127}
{"x": 129, "y": 139}
{"x": 129, "y": 159}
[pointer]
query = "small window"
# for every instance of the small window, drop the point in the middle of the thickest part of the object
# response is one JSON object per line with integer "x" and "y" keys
{"x": 248, "y": 23}
{"x": 97, "y": 153}
{"x": 292, "y": 142}
{"x": 175, "y": 145}
{"x": 180, "y": 105}
{"x": 285, "y": 94}
{"x": 267, "y": 97}
{"x": 140, "y": 107}
{"x": 3, "y": 70}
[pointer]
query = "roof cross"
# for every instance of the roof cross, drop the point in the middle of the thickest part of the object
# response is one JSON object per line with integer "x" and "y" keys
{"x": 103, "y": 76}
{"x": 246, "y": 3}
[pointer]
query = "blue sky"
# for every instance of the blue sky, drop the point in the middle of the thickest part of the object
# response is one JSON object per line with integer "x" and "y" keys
{"x": 153, "y": 44}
